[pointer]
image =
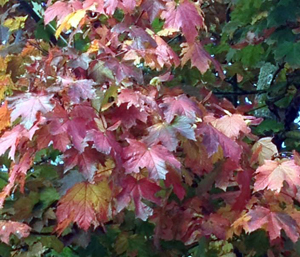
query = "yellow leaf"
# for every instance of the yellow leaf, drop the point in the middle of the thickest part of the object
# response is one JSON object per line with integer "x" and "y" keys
{"x": 5, "y": 83}
{"x": 105, "y": 171}
{"x": 72, "y": 20}
{"x": 3, "y": 2}
{"x": 15, "y": 23}
{"x": 3, "y": 64}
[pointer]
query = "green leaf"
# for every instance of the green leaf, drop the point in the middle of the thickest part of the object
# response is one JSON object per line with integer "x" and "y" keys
{"x": 289, "y": 52}
{"x": 4, "y": 250}
{"x": 257, "y": 241}
{"x": 250, "y": 55}
{"x": 48, "y": 196}
{"x": 81, "y": 43}
{"x": 52, "y": 242}
{"x": 268, "y": 125}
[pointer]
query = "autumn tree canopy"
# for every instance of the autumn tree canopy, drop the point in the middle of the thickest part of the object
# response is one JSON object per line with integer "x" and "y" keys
{"x": 149, "y": 128}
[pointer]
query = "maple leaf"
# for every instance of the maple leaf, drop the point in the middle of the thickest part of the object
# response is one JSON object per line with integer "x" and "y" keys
{"x": 166, "y": 133}
{"x": 232, "y": 125}
{"x": 198, "y": 165}
{"x": 273, "y": 222}
{"x": 17, "y": 173}
{"x": 85, "y": 204}
{"x": 128, "y": 116}
{"x": 99, "y": 72}
{"x": 57, "y": 10}
{"x": 153, "y": 8}
{"x": 244, "y": 180}
{"x": 141, "y": 38}
{"x": 154, "y": 158}
{"x": 179, "y": 105}
{"x": 131, "y": 97}
{"x": 263, "y": 150}
{"x": 10, "y": 139}
{"x": 272, "y": 174}
{"x": 124, "y": 70}
{"x": 45, "y": 138}
{"x": 212, "y": 139}
{"x": 138, "y": 190}
{"x": 106, "y": 143}
{"x": 71, "y": 20}
{"x": 28, "y": 105}
{"x": 75, "y": 123}
{"x": 110, "y": 6}
{"x": 216, "y": 225}
{"x": 173, "y": 179}
{"x": 94, "y": 5}
{"x": 81, "y": 89}
{"x": 226, "y": 176}
{"x": 76, "y": 129}
{"x": 128, "y": 5}
{"x": 184, "y": 16}
{"x": 199, "y": 58}
{"x": 12, "y": 227}
{"x": 86, "y": 161}
{"x": 165, "y": 55}
{"x": 4, "y": 116}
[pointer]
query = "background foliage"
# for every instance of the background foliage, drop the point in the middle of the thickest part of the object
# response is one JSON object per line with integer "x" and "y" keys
{"x": 150, "y": 128}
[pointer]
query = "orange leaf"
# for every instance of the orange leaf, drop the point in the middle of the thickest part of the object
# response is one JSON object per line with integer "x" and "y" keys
{"x": 4, "y": 116}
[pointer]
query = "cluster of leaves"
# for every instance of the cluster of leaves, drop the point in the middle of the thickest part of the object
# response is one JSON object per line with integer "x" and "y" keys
{"x": 102, "y": 155}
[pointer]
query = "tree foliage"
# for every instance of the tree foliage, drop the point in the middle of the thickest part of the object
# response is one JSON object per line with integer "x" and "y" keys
{"x": 149, "y": 128}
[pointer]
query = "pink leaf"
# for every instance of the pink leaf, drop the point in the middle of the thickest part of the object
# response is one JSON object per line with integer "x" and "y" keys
{"x": 139, "y": 155}
{"x": 11, "y": 227}
{"x": 179, "y": 105}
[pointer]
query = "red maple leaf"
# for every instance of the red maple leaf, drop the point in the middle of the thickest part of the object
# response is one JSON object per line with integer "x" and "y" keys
{"x": 153, "y": 8}
{"x": 45, "y": 138}
{"x": 58, "y": 10}
{"x": 272, "y": 174}
{"x": 75, "y": 123}
{"x": 124, "y": 70}
{"x": 272, "y": 222}
{"x": 155, "y": 158}
{"x": 167, "y": 133}
{"x": 28, "y": 105}
{"x": 185, "y": 16}
{"x": 10, "y": 139}
{"x": 217, "y": 225}
{"x": 179, "y": 105}
{"x": 244, "y": 180}
{"x": 138, "y": 190}
{"x": 17, "y": 173}
{"x": 86, "y": 161}
{"x": 212, "y": 139}
{"x": 128, "y": 116}
{"x": 199, "y": 58}
{"x": 173, "y": 179}
{"x": 80, "y": 89}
